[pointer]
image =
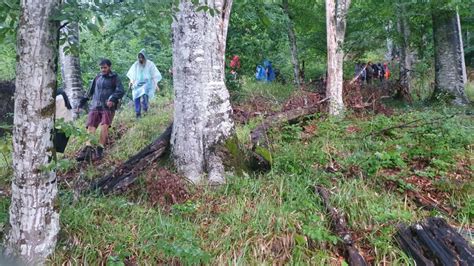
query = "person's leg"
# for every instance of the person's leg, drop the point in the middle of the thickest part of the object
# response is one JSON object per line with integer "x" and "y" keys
{"x": 138, "y": 107}
{"x": 145, "y": 103}
{"x": 106, "y": 121}
{"x": 104, "y": 133}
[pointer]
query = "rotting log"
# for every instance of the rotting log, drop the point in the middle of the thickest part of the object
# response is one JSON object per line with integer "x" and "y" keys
{"x": 123, "y": 176}
{"x": 434, "y": 242}
{"x": 259, "y": 137}
{"x": 339, "y": 226}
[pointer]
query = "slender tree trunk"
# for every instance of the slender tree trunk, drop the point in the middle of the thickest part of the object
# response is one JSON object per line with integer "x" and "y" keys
{"x": 405, "y": 52}
{"x": 70, "y": 65}
{"x": 34, "y": 218}
{"x": 202, "y": 116}
{"x": 450, "y": 68}
{"x": 293, "y": 46}
{"x": 336, "y": 13}
{"x": 389, "y": 53}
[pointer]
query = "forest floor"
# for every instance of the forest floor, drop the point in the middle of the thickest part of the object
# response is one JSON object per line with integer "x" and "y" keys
{"x": 378, "y": 177}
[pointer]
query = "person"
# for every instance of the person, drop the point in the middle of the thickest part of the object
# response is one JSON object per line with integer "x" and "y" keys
{"x": 234, "y": 66}
{"x": 369, "y": 72}
{"x": 105, "y": 91}
{"x": 260, "y": 73}
{"x": 269, "y": 72}
{"x": 381, "y": 71}
{"x": 64, "y": 113}
{"x": 144, "y": 78}
{"x": 387, "y": 71}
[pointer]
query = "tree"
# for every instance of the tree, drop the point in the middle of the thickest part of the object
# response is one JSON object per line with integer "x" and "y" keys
{"x": 202, "y": 116}
{"x": 293, "y": 46}
{"x": 450, "y": 68}
{"x": 70, "y": 64}
{"x": 336, "y": 14}
{"x": 34, "y": 218}
{"x": 405, "y": 53}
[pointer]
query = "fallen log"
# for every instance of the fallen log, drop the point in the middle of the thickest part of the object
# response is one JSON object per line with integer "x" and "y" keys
{"x": 258, "y": 135}
{"x": 339, "y": 226}
{"x": 434, "y": 242}
{"x": 123, "y": 176}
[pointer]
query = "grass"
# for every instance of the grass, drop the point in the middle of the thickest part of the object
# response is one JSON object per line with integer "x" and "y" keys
{"x": 275, "y": 217}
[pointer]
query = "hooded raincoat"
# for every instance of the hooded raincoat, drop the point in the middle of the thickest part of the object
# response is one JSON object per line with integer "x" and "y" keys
{"x": 144, "y": 77}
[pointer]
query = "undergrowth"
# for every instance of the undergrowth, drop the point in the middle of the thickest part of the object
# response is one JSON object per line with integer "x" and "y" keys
{"x": 276, "y": 217}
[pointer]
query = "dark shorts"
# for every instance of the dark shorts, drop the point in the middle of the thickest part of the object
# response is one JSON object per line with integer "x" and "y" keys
{"x": 97, "y": 118}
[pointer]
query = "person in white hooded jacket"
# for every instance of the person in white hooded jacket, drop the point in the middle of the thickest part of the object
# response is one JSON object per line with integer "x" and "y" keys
{"x": 144, "y": 78}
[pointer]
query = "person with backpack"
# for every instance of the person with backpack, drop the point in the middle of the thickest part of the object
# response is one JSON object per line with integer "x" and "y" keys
{"x": 234, "y": 66}
{"x": 269, "y": 72}
{"x": 144, "y": 78}
{"x": 386, "y": 71}
{"x": 105, "y": 92}
{"x": 381, "y": 71}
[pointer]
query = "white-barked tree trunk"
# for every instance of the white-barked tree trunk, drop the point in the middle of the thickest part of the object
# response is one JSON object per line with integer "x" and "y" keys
{"x": 336, "y": 14}
{"x": 70, "y": 65}
{"x": 34, "y": 217}
{"x": 450, "y": 68}
{"x": 202, "y": 110}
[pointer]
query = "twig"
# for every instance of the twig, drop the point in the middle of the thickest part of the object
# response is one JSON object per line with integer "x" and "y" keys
{"x": 410, "y": 125}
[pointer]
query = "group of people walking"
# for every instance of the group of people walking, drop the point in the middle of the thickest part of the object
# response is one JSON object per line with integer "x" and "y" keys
{"x": 105, "y": 92}
{"x": 366, "y": 73}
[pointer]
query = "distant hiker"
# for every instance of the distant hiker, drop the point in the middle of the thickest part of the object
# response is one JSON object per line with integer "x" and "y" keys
{"x": 386, "y": 71}
{"x": 235, "y": 66}
{"x": 269, "y": 72}
{"x": 369, "y": 72}
{"x": 64, "y": 113}
{"x": 260, "y": 73}
{"x": 144, "y": 78}
{"x": 105, "y": 91}
{"x": 381, "y": 71}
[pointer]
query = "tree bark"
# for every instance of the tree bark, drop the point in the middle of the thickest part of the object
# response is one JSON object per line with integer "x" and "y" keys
{"x": 293, "y": 45}
{"x": 405, "y": 53}
{"x": 450, "y": 68}
{"x": 70, "y": 66}
{"x": 34, "y": 218}
{"x": 202, "y": 116}
{"x": 336, "y": 13}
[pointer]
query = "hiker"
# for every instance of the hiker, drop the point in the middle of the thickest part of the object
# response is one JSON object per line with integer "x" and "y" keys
{"x": 386, "y": 71}
{"x": 64, "y": 113}
{"x": 234, "y": 66}
{"x": 105, "y": 91}
{"x": 369, "y": 72}
{"x": 144, "y": 78}
{"x": 269, "y": 72}
{"x": 260, "y": 73}
{"x": 381, "y": 72}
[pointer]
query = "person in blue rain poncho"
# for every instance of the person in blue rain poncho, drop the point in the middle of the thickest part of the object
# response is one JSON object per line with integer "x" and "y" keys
{"x": 144, "y": 78}
{"x": 270, "y": 73}
{"x": 260, "y": 74}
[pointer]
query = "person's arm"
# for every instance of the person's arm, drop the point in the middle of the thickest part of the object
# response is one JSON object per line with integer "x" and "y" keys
{"x": 118, "y": 93}
{"x": 88, "y": 95}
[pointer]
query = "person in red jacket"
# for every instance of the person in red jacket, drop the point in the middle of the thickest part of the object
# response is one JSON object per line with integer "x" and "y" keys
{"x": 234, "y": 65}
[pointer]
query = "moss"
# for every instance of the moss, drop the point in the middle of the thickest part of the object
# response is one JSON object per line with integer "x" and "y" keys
{"x": 48, "y": 110}
{"x": 265, "y": 153}
{"x": 237, "y": 157}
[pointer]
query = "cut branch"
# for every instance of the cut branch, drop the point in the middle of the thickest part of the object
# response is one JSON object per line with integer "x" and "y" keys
{"x": 339, "y": 226}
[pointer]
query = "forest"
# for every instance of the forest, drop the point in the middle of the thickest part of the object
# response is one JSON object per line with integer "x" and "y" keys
{"x": 236, "y": 132}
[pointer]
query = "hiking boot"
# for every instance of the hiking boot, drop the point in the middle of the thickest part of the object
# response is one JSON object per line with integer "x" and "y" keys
{"x": 138, "y": 116}
{"x": 99, "y": 153}
{"x": 85, "y": 154}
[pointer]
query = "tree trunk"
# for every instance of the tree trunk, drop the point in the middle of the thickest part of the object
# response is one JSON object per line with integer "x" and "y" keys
{"x": 202, "y": 116}
{"x": 293, "y": 46}
{"x": 389, "y": 43}
{"x": 70, "y": 65}
{"x": 405, "y": 53}
{"x": 336, "y": 13}
{"x": 450, "y": 68}
{"x": 34, "y": 218}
